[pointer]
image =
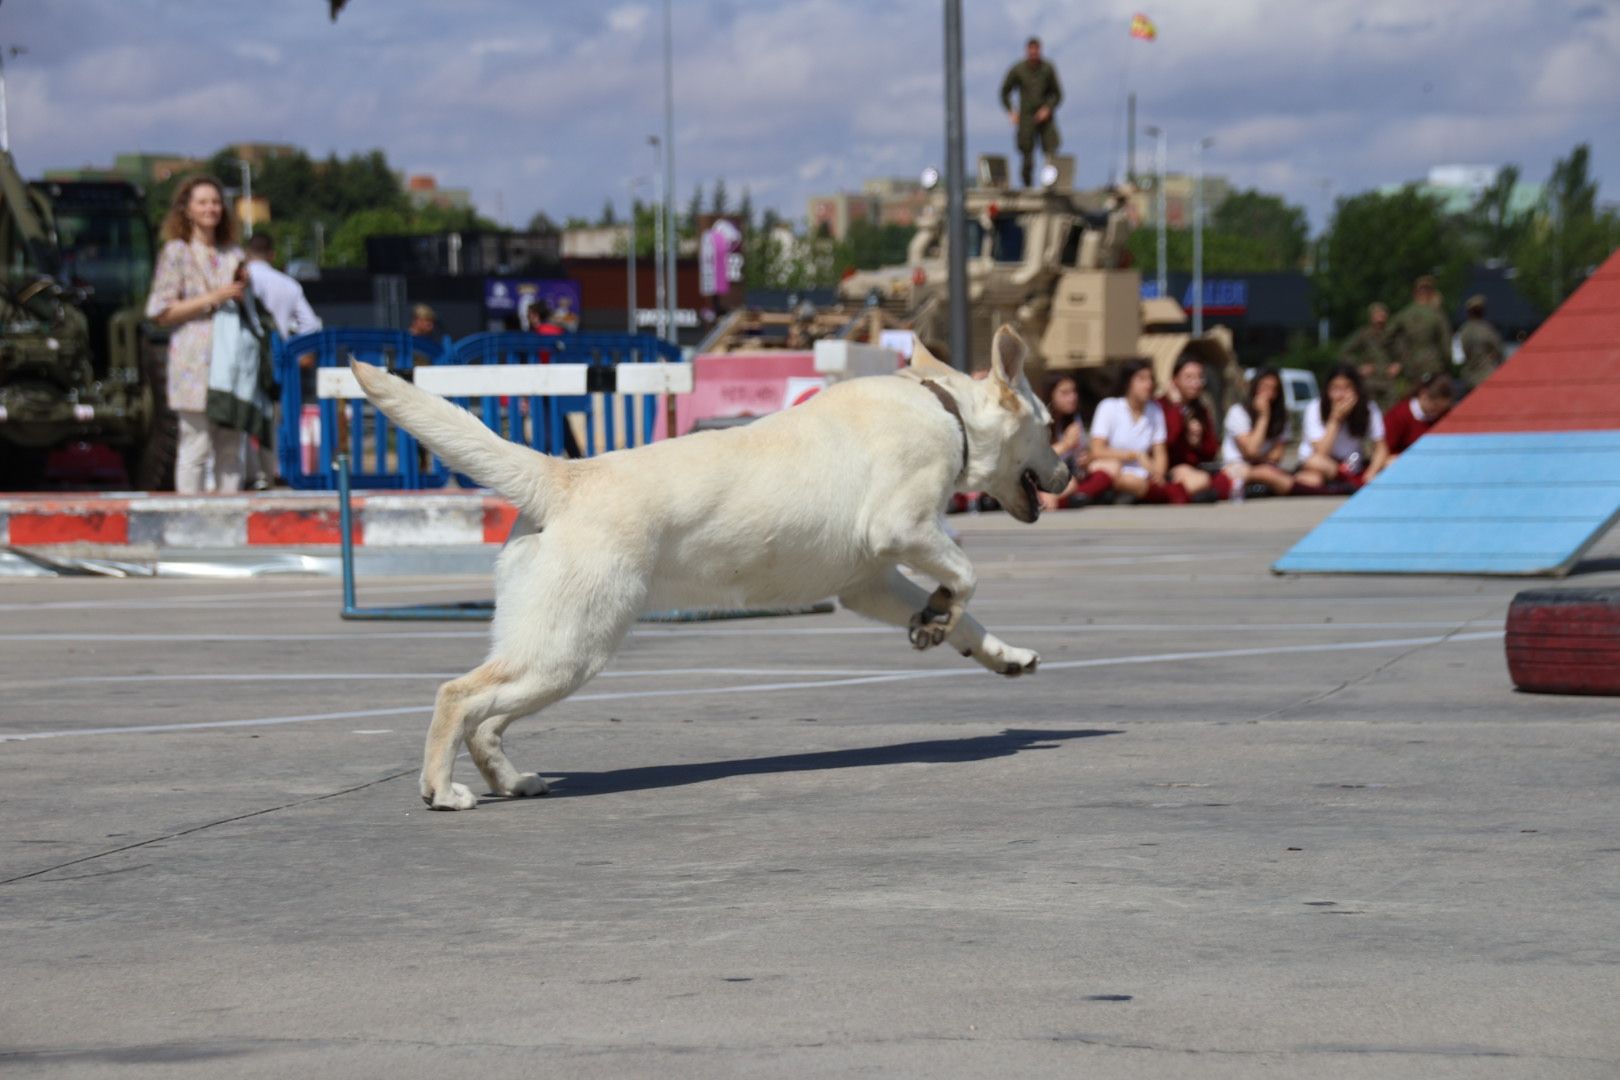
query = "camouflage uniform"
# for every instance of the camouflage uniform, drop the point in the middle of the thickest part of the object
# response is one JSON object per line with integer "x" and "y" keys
{"x": 1037, "y": 86}
{"x": 1482, "y": 349}
{"x": 1369, "y": 347}
{"x": 1420, "y": 338}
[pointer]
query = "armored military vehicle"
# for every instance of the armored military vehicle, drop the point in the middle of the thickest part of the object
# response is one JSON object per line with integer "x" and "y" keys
{"x": 76, "y": 361}
{"x": 1051, "y": 261}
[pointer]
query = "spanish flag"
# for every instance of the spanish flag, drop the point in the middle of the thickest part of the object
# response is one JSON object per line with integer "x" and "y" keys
{"x": 1142, "y": 27}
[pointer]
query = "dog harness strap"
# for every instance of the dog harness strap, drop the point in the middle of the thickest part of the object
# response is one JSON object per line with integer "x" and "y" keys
{"x": 955, "y": 410}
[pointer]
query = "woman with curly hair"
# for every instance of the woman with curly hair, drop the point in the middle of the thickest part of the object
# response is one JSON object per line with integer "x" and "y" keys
{"x": 197, "y": 274}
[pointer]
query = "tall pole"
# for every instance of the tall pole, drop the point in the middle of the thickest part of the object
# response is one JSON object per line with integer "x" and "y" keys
{"x": 1159, "y": 212}
{"x": 1130, "y": 138}
{"x": 955, "y": 184}
{"x": 630, "y": 264}
{"x": 1198, "y": 240}
{"x": 658, "y": 236}
{"x": 669, "y": 167}
{"x": 5, "y": 127}
{"x": 247, "y": 195}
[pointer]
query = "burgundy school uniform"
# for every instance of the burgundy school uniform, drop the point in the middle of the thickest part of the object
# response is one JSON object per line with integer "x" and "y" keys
{"x": 1181, "y": 451}
{"x": 1404, "y": 425}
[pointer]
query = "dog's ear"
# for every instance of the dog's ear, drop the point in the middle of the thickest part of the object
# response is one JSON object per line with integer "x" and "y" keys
{"x": 1007, "y": 354}
{"x": 927, "y": 362}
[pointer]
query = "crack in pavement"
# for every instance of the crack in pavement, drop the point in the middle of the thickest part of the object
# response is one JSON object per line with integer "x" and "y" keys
{"x": 206, "y": 825}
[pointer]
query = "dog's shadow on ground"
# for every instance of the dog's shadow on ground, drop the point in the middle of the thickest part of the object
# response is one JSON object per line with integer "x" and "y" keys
{"x": 931, "y": 752}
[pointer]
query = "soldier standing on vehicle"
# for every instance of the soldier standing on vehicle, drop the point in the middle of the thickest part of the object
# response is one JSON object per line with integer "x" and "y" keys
{"x": 1420, "y": 335}
{"x": 1368, "y": 350}
{"x": 1039, "y": 95}
{"x": 1481, "y": 344}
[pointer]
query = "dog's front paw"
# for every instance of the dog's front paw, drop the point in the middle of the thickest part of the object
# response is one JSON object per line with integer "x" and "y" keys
{"x": 455, "y": 797}
{"x": 528, "y": 786}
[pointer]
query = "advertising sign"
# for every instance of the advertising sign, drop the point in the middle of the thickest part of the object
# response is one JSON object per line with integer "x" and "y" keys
{"x": 502, "y": 295}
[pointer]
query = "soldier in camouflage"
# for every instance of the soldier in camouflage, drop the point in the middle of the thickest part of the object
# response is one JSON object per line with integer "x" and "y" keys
{"x": 1420, "y": 336}
{"x": 1368, "y": 351}
{"x": 1039, "y": 94}
{"x": 1481, "y": 344}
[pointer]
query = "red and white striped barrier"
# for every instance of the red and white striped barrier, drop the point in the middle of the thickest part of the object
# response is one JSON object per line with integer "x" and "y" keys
{"x": 268, "y": 519}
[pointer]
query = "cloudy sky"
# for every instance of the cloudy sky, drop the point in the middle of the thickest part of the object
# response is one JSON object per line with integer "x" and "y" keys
{"x": 547, "y": 105}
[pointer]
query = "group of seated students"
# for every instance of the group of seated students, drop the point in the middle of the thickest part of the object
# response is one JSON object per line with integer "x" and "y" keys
{"x": 1167, "y": 449}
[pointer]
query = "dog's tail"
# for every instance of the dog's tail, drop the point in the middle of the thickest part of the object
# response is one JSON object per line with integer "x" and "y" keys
{"x": 530, "y": 479}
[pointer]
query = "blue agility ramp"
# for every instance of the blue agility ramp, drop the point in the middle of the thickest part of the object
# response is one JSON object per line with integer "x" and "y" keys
{"x": 1522, "y": 477}
{"x": 1528, "y": 503}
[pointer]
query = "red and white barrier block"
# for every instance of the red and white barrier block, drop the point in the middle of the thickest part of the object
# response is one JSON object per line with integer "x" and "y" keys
{"x": 268, "y": 519}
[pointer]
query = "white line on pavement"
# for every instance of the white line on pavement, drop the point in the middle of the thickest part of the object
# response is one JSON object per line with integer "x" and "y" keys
{"x": 761, "y": 688}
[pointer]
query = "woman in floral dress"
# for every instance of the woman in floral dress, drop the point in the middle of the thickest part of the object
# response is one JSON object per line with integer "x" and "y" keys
{"x": 197, "y": 275}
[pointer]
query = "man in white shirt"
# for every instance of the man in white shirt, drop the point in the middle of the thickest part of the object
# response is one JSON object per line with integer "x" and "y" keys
{"x": 289, "y": 309}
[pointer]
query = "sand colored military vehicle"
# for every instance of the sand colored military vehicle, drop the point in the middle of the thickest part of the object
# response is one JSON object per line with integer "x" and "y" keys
{"x": 1052, "y": 262}
{"x": 76, "y": 362}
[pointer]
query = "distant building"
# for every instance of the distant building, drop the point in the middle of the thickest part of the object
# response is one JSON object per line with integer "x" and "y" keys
{"x": 836, "y": 213}
{"x": 881, "y": 201}
{"x": 1458, "y": 187}
{"x": 595, "y": 241}
{"x": 1178, "y": 198}
{"x": 424, "y": 190}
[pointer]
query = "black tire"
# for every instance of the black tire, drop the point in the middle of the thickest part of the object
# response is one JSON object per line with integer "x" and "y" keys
{"x": 150, "y": 463}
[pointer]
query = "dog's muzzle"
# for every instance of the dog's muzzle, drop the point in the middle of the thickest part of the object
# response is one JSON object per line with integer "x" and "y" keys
{"x": 1057, "y": 481}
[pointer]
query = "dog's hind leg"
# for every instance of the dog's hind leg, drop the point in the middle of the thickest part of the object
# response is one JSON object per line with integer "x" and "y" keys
{"x": 558, "y": 621}
{"x": 893, "y": 598}
{"x": 484, "y": 745}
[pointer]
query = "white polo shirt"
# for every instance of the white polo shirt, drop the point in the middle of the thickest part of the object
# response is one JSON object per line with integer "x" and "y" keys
{"x": 1238, "y": 423}
{"x": 1114, "y": 421}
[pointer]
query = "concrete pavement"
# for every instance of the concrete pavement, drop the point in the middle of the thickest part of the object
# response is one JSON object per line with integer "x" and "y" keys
{"x": 1237, "y": 825}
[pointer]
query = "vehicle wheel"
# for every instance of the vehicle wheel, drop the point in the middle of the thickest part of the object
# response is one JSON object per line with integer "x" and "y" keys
{"x": 1565, "y": 641}
{"x": 151, "y": 463}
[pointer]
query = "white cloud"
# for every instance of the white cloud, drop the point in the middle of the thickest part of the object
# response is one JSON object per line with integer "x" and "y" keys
{"x": 551, "y": 104}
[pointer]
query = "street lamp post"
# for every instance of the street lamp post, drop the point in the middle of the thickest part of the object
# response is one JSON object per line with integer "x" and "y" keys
{"x": 1162, "y": 257}
{"x": 5, "y": 129}
{"x": 669, "y": 166}
{"x": 955, "y": 185}
{"x": 658, "y": 235}
{"x": 630, "y": 259}
{"x": 247, "y": 196}
{"x": 1198, "y": 239}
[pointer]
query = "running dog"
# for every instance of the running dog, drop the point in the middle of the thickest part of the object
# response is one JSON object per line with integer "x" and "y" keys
{"x": 828, "y": 498}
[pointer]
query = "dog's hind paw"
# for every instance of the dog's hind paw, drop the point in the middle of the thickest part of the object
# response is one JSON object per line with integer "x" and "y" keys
{"x": 528, "y": 786}
{"x": 1019, "y": 662}
{"x": 456, "y": 797}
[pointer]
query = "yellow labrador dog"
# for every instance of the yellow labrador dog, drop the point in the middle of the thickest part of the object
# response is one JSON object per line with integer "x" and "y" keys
{"x": 828, "y": 498}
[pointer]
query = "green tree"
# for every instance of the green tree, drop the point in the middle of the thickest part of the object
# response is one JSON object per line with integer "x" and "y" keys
{"x": 1567, "y": 237}
{"x": 694, "y": 210}
{"x": 867, "y": 246}
{"x": 609, "y": 217}
{"x": 1494, "y": 230}
{"x": 1277, "y": 229}
{"x": 347, "y": 246}
{"x": 1378, "y": 245}
{"x": 718, "y": 201}
{"x": 542, "y": 222}
{"x": 745, "y": 210}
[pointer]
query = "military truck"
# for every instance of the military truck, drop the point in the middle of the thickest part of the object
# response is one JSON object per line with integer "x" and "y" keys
{"x": 1051, "y": 261}
{"x": 77, "y": 361}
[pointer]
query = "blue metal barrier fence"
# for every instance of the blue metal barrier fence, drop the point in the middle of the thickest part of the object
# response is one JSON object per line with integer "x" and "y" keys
{"x": 382, "y": 456}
